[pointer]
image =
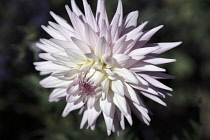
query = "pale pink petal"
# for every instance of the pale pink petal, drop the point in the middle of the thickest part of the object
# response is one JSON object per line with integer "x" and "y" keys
{"x": 52, "y": 32}
{"x": 89, "y": 16}
{"x": 76, "y": 56}
{"x": 158, "y": 61}
{"x": 154, "y": 98}
{"x": 81, "y": 45}
{"x": 155, "y": 82}
{"x": 127, "y": 75}
{"x": 102, "y": 48}
{"x": 61, "y": 21}
{"x": 166, "y": 46}
{"x": 130, "y": 22}
{"x": 118, "y": 87}
{"x": 57, "y": 94}
{"x": 144, "y": 51}
{"x": 77, "y": 11}
{"x": 92, "y": 38}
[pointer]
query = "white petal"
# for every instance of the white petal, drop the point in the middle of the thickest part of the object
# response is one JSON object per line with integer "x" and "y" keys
{"x": 72, "y": 89}
{"x": 89, "y": 16}
{"x": 84, "y": 119}
{"x": 146, "y": 67}
{"x": 46, "y": 56}
{"x": 48, "y": 66}
{"x": 154, "y": 98}
{"x": 57, "y": 94}
{"x": 158, "y": 61}
{"x": 122, "y": 104}
{"x": 51, "y": 45}
{"x": 119, "y": 46}
{"x": 70, "y": 107}
{"x": 81, "y": 45}
{"x": 64, "y": 44}
{"x": 150, "y": 33}
{"x": 142, "y": 111}
{"x": 105, "y": 85}
{"x": 122, "y": 59}
{"x": 76, "y": 56}
{"x": 93, "y": 113}
{"x": 72, "y": 98}
{"x": 97, "y": 77}
{"x": 130, "y": 21}
{"x": 132, "y": 94}
{"x": 109, "y": 122}
{"x": 166, "y": 46}
{"x": 119, "y": 12}
{"x": 52, "y": 82}
{"x": 137, "y": 30}
{"x": 77, "y": 23}
{"x": 147, "y": 35}
{"x": 91, "y": 102}
{"x": 141, "y": 80}
{"x": 111, "y": 75}
{"x": 131, "y": 42}
{"x": 47, "y": 48}
{"x": 155, "y": 82}
{"x": 124, "y": 108}
{"x": 71, "y": 73}
{"x": 91, "y": 37}
{"x": 148, "y": 90}
{"x": 118, "y": 87}
{"x": 52, "y": 32}
{"x": 102, "y": 48}
{"x": 61, "y": 21}
{"x": 104, "y": 32}
{"x": 115, "y": 29}
{"x": 158, "y": 75}
{"x": 101, "y": 13}
{"x": 92, "y": 57}
{"x": 63, "y": 31}
{"x": 121, "y": 119}
{"x": 108, "y": 109}
{"x": 144, "y": 51}
{"x": 76, "y": 10}
{"x": 108, "y": 61}
{"x": 127, "y": 75}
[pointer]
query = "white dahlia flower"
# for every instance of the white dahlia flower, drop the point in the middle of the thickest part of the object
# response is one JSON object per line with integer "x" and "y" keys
{"x": 102, "y": 67}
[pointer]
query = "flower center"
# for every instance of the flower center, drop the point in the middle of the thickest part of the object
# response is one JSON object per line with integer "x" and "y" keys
{"x": 86, "y": 87}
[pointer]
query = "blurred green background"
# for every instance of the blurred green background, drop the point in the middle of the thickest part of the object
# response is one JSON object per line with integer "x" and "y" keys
{"x": 26, "y": 114}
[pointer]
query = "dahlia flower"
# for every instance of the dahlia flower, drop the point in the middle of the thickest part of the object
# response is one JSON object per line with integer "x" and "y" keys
{"x": 103, "y": 68}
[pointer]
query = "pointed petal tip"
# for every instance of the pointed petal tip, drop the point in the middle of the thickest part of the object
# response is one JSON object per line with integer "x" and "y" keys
{"x": 52, "y": 13}
{"x": 108, "y": 132}
{"x": 179, "y": 43}
{"x": 64, "y": 114}
{"x": 165, "y": 105}
{"x": 160, "y": 26}
{"x": 67, "y": 8}
{"x": 146, "y": 22}
{"x": 43, "y": 26}
{"x": 136, "y": 12}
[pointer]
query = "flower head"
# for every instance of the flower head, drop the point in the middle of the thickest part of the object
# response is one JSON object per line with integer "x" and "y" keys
{"x": 102, "y": 67}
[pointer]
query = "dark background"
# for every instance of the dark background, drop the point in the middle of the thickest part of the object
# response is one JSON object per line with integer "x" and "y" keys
{"x": 26, "y": 114}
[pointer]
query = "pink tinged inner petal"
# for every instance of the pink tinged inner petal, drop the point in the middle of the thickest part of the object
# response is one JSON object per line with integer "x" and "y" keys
{"x": 86, "y": 87}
